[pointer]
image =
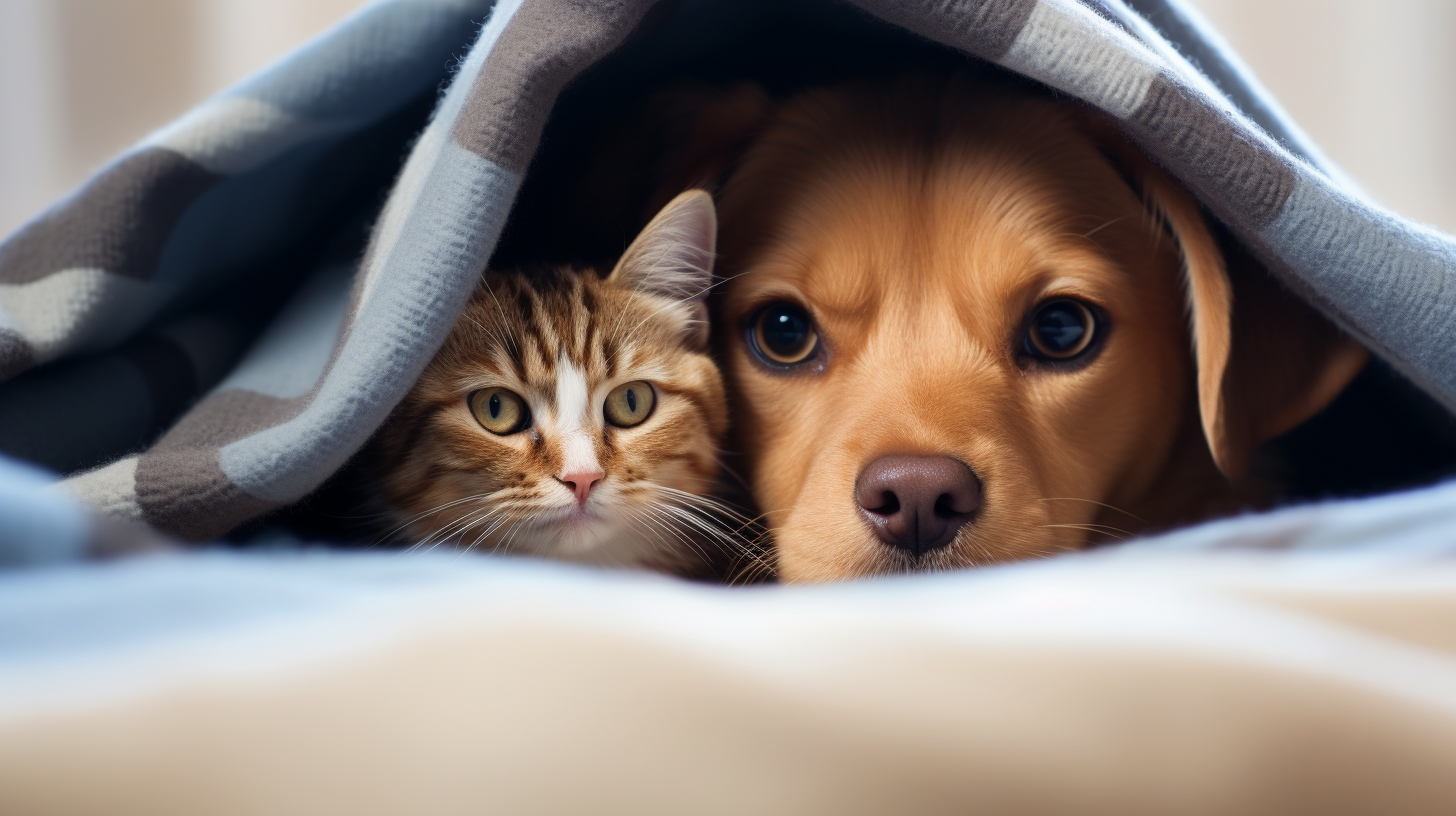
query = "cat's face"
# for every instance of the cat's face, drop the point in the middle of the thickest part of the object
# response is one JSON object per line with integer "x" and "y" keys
{"x": 569, "y": 415}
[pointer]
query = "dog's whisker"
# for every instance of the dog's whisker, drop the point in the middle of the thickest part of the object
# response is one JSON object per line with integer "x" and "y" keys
{"x": 1092, "y": 528}
{"x": 1104, "y": 226}
{"x": 1111, "y": 507}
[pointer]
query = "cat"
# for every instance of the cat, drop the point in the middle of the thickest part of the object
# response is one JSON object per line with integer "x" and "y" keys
{"x": 572, "y": 415}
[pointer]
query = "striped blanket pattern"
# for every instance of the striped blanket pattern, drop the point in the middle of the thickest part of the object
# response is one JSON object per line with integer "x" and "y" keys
{"x": 226, "y": 185}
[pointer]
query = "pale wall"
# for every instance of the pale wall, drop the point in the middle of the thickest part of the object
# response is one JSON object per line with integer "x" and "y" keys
{"x": 82, "y": 79}
{"x": 1373, "y": 83}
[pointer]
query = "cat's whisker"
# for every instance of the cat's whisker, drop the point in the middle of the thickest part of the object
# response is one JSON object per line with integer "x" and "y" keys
{"x": 489, "y": 525}
{"x": 498, "y": 545}
{"x": 489, "y": 331}
{"x": 478, "y": 497}
{"x": 491, "y": 529}
{"x": 510, "y": 337}
{"x": 516, "y": 526}
{"x": 705, "y": 503}
{"x": 760, "y": 554}
{"x": 735, "y": 543}
{"x": 716, "y": 509}
{"x": 663, "y": 519}
{"x": 435, "y": 510}
{"x": 671, "y": 523}
{"x": 463, "y": 521}
{"x": 697, "y": 500}
{"x": 489, "y": 522}
{"x": 754, "y": 564}
{"x": 656, "y": 531}
{"x": 488, "y": 540}
{"x": 761, "y": 563}
{"x": 504, "y": 534}
{"x": 460, "y": 525}
{"x": 703, "y": 551}
{"x": 699, "y": 514}
{"x": 704, "y": 526}
{"x": 485, "y": 534}
{"x": 630, "y": 518}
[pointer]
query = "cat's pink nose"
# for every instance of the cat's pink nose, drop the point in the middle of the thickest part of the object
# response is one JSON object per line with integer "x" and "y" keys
{"x": 581, "y": 483}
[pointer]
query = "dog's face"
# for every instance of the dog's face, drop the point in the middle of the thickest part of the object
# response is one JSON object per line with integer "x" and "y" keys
{"x": 954, "y": 331}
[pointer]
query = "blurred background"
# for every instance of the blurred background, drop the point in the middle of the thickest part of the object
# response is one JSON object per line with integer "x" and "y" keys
{"x": 1374, "y": 84}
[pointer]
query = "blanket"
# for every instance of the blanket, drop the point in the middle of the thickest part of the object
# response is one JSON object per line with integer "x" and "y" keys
{"x": 156, "y": 275}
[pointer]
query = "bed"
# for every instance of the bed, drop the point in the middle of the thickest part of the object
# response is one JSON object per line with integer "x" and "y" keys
{"x": 258, "y": 283}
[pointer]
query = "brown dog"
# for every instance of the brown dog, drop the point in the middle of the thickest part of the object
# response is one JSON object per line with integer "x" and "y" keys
{"x": 967, "y": 323}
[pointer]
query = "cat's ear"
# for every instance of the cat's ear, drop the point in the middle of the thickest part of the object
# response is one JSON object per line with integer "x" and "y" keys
{"x": 673, "y": 258}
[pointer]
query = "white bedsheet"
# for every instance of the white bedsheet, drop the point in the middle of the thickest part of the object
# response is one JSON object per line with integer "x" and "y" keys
{"x": 1302, "y": 662}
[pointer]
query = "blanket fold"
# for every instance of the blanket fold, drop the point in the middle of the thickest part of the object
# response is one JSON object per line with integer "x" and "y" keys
{"x": 219, "y": 197}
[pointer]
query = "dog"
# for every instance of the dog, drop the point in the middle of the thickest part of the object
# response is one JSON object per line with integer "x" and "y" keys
{"x": 965, "y": 323}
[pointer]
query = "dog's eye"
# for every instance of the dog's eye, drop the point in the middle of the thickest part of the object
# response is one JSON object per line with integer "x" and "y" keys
{"x": 629, "y": 404}
{"x": 784, "y": 334}
{"x": 1060, "y": 330}
{"x": 499, "y": 411}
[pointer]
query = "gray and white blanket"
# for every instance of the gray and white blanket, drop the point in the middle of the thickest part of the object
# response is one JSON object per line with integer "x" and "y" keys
{"x": 135, "y": 294}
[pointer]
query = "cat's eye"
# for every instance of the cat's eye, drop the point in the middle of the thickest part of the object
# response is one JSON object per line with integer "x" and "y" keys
{"x": 1061, "y": 330}
{"x": 629, "y": 404}
{"x": 499, "y": 410}
{"x": 783, "y": 334}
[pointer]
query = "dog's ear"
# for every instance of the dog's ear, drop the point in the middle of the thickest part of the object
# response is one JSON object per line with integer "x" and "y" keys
{"x": 1287, "y": 363}
{"x": 683, "y": 137}
{"x": 1266, "y": 361}
{"x": 704, "y": 129}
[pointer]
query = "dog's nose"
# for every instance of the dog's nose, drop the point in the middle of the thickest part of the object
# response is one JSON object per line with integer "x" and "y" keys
{"x": 917, "y": 503}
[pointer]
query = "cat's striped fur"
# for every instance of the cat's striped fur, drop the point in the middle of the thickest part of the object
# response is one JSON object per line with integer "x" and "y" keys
{"x": 563, "y": 339}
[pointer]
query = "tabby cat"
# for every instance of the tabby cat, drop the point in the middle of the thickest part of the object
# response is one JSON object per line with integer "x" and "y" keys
{"x": 571, "y": 415}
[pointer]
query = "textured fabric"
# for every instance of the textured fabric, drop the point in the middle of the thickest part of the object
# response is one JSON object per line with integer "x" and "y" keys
{"x": 40, "y": 526}
{"x": 144, "y": 235}
{"x": 210, "y": 200}
{"x": 1302, "y": 662}
{"x": 82, "y": 412}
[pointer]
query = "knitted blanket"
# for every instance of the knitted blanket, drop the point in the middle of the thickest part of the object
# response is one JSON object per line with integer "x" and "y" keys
{"x": 139, "y": 293}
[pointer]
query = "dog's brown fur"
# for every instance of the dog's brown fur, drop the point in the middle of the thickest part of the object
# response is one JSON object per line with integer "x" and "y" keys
{"x": 920, "y": 221}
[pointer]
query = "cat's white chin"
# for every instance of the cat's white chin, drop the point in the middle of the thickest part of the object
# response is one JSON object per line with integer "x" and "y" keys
{"x": 587, "y": 538}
